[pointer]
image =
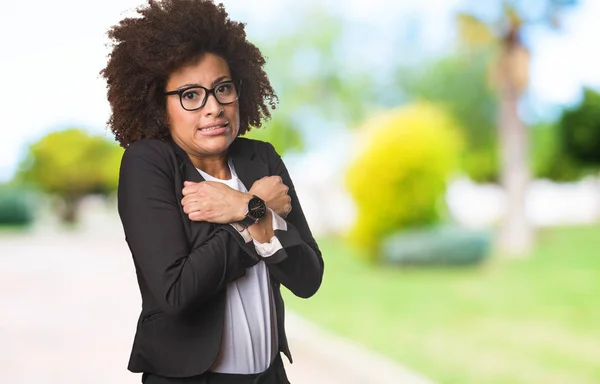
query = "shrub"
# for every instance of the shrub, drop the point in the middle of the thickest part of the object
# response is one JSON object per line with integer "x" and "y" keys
{"x": 445, "y": 245}
{"x": 580, "y": 130}
{"x": 398, "y": 181}
{"x": 16, "y": 207}
{"x": 548, "y": 157}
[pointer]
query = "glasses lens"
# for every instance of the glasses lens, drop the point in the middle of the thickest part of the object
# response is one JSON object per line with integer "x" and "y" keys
{"x": 193, "y": 98}
{"x": 226, "y": 92}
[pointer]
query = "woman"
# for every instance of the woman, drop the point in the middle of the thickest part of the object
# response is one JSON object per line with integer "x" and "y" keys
{"x": 212, "y": 219}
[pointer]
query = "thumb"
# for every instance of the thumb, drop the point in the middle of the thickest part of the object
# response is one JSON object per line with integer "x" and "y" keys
{"x": 187, "y": 183}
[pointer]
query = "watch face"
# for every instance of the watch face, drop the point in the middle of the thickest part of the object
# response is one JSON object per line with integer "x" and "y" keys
{"x": 257, "y": 208}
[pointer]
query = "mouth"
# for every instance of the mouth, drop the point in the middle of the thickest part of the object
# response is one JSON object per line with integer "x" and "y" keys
{"x": 214, "y": 129}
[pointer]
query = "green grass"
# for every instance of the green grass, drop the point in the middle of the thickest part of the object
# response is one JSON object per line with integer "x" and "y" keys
{"x": 535, "y": 320}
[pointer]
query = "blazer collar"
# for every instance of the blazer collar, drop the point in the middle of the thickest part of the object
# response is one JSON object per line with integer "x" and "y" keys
{"x": 248, "y": 166}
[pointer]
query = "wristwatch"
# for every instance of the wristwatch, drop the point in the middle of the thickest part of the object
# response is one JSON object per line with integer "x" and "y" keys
{"x": 257, "y": 209}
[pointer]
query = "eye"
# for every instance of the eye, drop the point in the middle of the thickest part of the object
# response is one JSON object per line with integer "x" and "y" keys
{"x": 224, "y": 88}
{"x": 191, "y": 95}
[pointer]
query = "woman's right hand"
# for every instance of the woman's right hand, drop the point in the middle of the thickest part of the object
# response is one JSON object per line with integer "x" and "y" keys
{"x": 213, "y": 202}
{"x": 272, "y": 190}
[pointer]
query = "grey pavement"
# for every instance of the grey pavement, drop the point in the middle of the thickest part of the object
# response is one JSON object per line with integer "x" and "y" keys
{"x": 69, "y": 304}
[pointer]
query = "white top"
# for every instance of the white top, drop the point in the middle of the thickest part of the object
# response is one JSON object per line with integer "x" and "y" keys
{"x": 250, "y": 328}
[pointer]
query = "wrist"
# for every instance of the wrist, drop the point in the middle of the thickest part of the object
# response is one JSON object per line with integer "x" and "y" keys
{"x": 255, "y": 209}
{"x": 242, "y": 206}
{"x": 262, "y": 231}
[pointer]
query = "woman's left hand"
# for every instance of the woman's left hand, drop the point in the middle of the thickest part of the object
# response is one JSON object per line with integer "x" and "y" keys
{"x": 213, "y": 202}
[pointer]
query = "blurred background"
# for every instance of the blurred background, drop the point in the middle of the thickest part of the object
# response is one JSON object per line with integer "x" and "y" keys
{"x": 446, "y": 154}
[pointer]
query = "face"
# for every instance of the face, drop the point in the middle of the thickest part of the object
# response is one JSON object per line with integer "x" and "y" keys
{"x": 209, "y": 131}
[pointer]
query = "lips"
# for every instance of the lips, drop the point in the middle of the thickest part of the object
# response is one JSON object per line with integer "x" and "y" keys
{"x": 214, "y": 129}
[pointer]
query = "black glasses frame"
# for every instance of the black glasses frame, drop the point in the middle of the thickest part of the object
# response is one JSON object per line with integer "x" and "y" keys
{"x": 207, "y": 92}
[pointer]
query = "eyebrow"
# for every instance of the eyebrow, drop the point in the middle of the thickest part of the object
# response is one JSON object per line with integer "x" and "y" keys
{"x": 215, "y": 82}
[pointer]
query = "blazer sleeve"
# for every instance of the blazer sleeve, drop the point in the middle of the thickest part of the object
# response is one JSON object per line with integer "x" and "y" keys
{"x": 299, "y": 264}
{"x": 178, "y": 277}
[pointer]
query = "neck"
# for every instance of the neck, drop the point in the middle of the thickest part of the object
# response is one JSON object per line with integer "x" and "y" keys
{"x": 216, "y": 166}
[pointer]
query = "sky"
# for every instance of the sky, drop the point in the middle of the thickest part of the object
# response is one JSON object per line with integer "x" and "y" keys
{"x": 52, "y": 52}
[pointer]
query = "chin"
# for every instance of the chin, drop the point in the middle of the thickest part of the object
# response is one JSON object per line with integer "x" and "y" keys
{"x": 215, "y": 145}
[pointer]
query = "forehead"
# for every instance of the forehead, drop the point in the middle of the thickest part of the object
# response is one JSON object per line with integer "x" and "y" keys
{"x": 203, "y": 71}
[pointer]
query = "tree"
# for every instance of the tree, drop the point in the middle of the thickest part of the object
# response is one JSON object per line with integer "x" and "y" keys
{"x": 549, "y": 158}
{"x": 510, "y": 75}
{"x": 580, "y": 130}
{"x": 459, "y": 83}
{"x": 72, "y": 164}
{"x": 307, "y": 70}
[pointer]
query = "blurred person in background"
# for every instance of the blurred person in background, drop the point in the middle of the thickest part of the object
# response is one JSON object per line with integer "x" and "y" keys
{"x": 212, "y": 219}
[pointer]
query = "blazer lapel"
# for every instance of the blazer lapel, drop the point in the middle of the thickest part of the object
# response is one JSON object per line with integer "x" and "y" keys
{"x": 187, "y": 169}
{"x": 248, "y": 166}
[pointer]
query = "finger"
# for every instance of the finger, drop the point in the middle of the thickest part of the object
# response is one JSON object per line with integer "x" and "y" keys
{"x": 189, "y": 190}
{"x": 188, "y": 199}
{"x": 282, "y": 189}
{"x": 186, "y": 183}
{"x": 191, "y": 207}
{"x": 198, "y": 195}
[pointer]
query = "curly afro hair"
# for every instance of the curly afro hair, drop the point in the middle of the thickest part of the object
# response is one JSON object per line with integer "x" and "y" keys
{"x": 168, "y": 35}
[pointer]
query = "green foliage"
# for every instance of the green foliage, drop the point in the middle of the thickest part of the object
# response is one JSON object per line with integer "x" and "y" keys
{"x": 579, "y": 130}
{"x": 569, "y": 148}
{"x": 548, "y": 160}
{"x": 460, "y": 83}
{"x": 16, "y": 206}
{"x": 72, "y": 164}
{"x": 399, "y": 179}
{"x": 281, "y": 132}
{"x": 307, "y": 70}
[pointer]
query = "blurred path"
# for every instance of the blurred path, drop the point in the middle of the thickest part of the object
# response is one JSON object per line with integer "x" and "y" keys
{"x": 57, "y": 288}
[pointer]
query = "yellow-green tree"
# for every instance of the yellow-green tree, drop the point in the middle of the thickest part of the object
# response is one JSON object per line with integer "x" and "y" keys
{"x": 510, "y": 76}
{"x": 398, "y": 180}
{"x": 71, "y": 164}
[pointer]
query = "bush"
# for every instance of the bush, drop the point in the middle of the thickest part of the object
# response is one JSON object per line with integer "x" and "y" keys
{"x": 548, "y": 157}
{"x": 72, "y": 164}
{"x": 580, "y": 130}
{"x": 399, "y": 179}
{"x": 447, "y": 245}
{"x": 16, "y": 207}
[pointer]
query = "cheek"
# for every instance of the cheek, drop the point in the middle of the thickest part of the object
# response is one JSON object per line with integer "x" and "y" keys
{"x": 178, "y": 119}
{"x": 236, "y": 117}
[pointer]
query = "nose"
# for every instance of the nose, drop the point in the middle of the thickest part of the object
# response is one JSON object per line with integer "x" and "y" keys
{"x": 212, "y": 106}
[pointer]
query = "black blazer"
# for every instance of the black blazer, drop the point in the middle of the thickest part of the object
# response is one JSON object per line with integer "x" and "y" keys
{"x": 183, "y": 267}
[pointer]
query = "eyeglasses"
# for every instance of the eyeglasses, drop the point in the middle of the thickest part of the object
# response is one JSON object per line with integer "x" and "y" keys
{"x": 194, "y": 97}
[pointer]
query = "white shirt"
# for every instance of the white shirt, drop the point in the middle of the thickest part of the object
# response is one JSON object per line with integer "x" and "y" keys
{"x": 250, "y": 331}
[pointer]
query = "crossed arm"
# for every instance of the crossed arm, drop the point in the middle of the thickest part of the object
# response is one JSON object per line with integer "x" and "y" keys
{"x": 217, "y": 203}
{"x": 182, "y": 276}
